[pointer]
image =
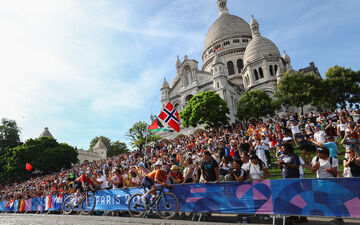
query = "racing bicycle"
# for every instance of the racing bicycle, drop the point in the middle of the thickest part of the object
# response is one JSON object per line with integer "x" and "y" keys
{"x": 167, "y": 205}
{"x": 85, "y": 205}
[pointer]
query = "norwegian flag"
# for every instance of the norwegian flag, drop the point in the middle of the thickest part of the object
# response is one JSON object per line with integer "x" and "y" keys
{"x": 170, "y": 116}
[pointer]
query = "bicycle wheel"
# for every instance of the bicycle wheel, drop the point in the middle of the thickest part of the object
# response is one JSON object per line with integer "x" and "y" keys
{"x": 167, "y": 206}
{"x": 136, "y": 207}
{"x": 87, "y": 204}
{"x": 68, "y": 204}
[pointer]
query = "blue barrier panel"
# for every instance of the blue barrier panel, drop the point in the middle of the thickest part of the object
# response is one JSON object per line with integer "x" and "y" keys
{"x": 37, "y": 204}
{"x": 114, "y": 199}
{"x": 230, "y": 197}
{"x": 316, "y": 197}
{"x": 2, "y": 207}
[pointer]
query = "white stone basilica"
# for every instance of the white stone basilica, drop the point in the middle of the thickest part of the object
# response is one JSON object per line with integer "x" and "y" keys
{"x": 236, "y": 58}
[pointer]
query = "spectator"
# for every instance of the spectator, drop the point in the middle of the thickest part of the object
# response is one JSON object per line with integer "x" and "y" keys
{"x": 341, "y": 127}
{"x": 176, "y": 176}
{"x": 257, "y": 169}
{"x": 351, "y": 164}
{"x": 260, "y": 151}
{"x": 319, "y": 135}
{"x": 324, "y": 165}
{"x": 209, "y": 168}
{"x": 350, "y": 142}
{"x": 329, "y": 144}
{"x": 101, "y": 180}
{"x": 188, "y": 170}
{"x": 305, "y": 146}
{"x": 289, "y": 162}
{"x": 225, "y": 167}
{"x": 237, "y": 174}
{"x": 116, "y": 179}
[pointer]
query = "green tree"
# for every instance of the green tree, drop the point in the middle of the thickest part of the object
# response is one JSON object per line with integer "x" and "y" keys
{"x": 255, "y": 104}
{"x": 298, "y": 89}
{"x": 342, "y": 86}
{"x": 45, "y": 154}
{"x": 9, "y": 134}
{"x": 139, "y": 134}
{"x": 105, "y": 140}
{"x": 117, "y": 148}
{"x": 113, "y": 148}
{"x": 205, "y": 108}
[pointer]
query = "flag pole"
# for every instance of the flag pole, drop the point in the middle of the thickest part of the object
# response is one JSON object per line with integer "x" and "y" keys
{"x": 147, "y": 132}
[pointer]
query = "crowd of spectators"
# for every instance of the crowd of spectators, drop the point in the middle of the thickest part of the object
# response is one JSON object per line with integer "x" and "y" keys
{"x": 230, "y": 153}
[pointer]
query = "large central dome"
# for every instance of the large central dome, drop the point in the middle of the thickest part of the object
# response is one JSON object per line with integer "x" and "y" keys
{"x": 226, "y": 25}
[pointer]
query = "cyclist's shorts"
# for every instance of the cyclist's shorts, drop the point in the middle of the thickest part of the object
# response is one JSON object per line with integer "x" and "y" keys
{"x": 77, "y": 186}
{"x": 147, "y": 182}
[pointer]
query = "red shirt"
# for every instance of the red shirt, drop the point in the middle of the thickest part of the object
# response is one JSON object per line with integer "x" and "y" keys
{"x": 158, "y": 175}
{"x": 84, "y": 179}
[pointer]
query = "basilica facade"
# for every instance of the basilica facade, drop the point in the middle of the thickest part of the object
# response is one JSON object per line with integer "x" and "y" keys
{"x": 236, "y": 58}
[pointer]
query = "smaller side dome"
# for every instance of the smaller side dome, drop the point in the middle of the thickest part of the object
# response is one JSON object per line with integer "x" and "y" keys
{"x": 165, "y": 84}
{"x": 286, "y": 57}
{"x": 253, "y": 21}
{"x": 259, "y": 46}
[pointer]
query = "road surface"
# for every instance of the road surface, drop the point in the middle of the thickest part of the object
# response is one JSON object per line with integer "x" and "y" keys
{"x": 43, "y": 219}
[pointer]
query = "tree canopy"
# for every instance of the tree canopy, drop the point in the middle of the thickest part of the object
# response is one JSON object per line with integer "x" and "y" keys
{"x": 341, "y": 86}
{"x": 45, "y": 154}
{"x": 298, "y": 89}
{"x": 255, "y": 104}
{"x": 205, "y": 108}
{"x": 9, "y": 134}
{"x": 139, "y": 134}
{"x": 113, "y": 148}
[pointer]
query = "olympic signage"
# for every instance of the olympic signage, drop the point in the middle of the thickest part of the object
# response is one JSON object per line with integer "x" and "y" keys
{"x": 307, "y": 197}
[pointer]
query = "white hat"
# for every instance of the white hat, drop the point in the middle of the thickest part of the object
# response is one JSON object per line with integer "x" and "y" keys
{"x": 158, "y": 163}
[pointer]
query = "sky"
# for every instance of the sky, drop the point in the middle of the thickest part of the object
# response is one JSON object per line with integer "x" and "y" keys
{"x": 86, "y": 68}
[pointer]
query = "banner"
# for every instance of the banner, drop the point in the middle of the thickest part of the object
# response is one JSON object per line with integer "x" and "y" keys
{"x": 317, "y": 197}
{"x": 335, "y": 197}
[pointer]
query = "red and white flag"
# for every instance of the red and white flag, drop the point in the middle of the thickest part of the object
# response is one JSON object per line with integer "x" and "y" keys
{"x": 170, "y": 116}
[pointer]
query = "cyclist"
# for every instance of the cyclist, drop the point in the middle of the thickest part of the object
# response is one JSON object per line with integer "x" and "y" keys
{"x": 159, "y": 175}
{"x": 81, "y": 183}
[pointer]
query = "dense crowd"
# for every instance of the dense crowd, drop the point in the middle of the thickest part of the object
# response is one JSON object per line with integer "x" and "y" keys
{"x": 230, "y": 153}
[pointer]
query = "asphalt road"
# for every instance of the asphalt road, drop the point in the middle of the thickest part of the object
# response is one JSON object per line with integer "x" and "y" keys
{"x": 43, "y": 219}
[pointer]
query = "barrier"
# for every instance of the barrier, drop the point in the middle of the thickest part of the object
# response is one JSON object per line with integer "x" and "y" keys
{"x": 338, "y": 197}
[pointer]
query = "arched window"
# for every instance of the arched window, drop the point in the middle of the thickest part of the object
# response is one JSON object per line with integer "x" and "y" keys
{"x": 271, "y": 70}
{"x": 177, "y": 107}
{"x": 188, "y": 98}
{"x": 256, "y": 75}
{"x": 230, "y": 66}
{"x": 240, "y": 65}
{"x": 276, "y": 67}
{"x": 261, "y": 73}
